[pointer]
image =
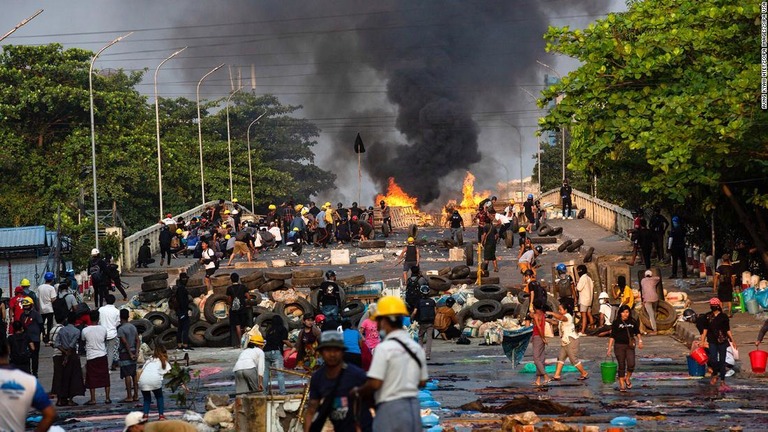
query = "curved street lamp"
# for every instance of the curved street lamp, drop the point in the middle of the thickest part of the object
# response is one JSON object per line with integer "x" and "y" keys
{"x": 157, "y": 123}
{"x": 563, "y": 128}
{"x": 93, "y": 139}
{"x": 250, "y": 171}
{"x": 229, "y": 145}
{"x": 200, "y": 129}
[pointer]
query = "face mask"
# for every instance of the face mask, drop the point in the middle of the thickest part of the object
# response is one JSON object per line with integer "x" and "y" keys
{"x": 714, "y": 308}
{"x": 382, "y": 334}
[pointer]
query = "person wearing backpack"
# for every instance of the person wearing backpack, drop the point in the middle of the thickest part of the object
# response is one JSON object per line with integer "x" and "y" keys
{"x": 536, "y": 292}
{"x": 64, "y": 303}
{"x": 97, "y": 270}
{"x": 424, "y": 314}
{"x": 564, "y": 284}
{"x": 237, "y": 297}
{"x": 21, "y": 347}
{"x": 413, "y": 287}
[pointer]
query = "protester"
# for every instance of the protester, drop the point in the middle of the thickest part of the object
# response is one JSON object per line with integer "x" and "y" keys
{"x": 369, "y": 329}
{"x": 276, "y": 337}
{"x": 20, "y": 347}
{"x": 208, "y": 259}
{"x": 676, "y": 247}
{"x": 569, "y": 340}
{"x": 585, "y": 290}
{"x": 398, "y": 370}
{"x": 293, "y": 239}
{"x": 26, "y": 285}
{"x": 489, "y": 246}
{"x": 413, "y": 287}
{"x": 539, "y": 344}
{"x": 446, "y": 320}
{"x": 649, "y": 295}
{"x": 46, "y": 294}
{"x": 249, "y": 368}
{"x": 623, "y": 292}
{"x": 564, "y": 283}
{"x": 23, "y": 392}
{"x": 96, "y": 354}
{"x": 68, "y": 368}
{"x": 151, "y": 380}
{"x": 237, "y": 298}
{"x": 306, "y": 343}
{"x": 128, "y": 336}
{"x": 65, "y": 302}
{"x": 33, "y": 323}
{"x": 180, "y": 303}
{"x": 528, "y": 209}
{"x": 716, "y": 337}
{"x": 527, "y": 260}
{"x": 138, "y": 422}
{"x": 409, "y": 256}
{"x": 164, "y": 241}
{"x": 625, "y": 336}
{"x": 14, "y": 304}
{"x": 145, "y": 255}
{"x": 456, "y": 223}
{"x": 645, "y": 243}
{"x": 725, "y": 280}
{"x": 113, "y": 273}
{"x": 424, "y": 314}
{"x": 109, "y": 318}
{"x": 329, "y": 297}
{"x": 658, "y": 226}
{"x": 330, "y": 390}
{"x": 97, "y": 271}
{"x": 565, "y": 196}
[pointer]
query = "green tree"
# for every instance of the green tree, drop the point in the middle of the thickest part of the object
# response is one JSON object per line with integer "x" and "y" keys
{"x": 668, "y": 91}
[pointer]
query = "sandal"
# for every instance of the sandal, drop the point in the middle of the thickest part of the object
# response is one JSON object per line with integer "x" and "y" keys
{"x": 547, "y": 381}
{"x": 629, "y": 384}
{"x": 90, "y": 403}
{"x": 557, "y": 378}
{"x": 622, "y": 389}
{"x": 583, "y": 377}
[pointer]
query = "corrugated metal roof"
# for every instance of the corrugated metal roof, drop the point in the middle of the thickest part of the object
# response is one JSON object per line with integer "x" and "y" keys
{"x": 22, "y": 237}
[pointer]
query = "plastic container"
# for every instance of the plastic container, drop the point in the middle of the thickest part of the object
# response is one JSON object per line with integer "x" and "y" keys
{"x": 700, "y": 356}
{"x": 430, "y": 404}
{"x": 425, "y": 395}
{"x": 608, "y": 371}
{"x": 429, "y": 420}
{"x": 695, "y": 369}
{"x": 758, "y": 359}
{"x": 752, "y": 306}
{"x": 624, "y": 421}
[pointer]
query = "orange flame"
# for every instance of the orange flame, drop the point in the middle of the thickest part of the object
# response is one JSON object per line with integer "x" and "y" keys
{"x": 470, "y": 200}
{"x": 396, "y": 196}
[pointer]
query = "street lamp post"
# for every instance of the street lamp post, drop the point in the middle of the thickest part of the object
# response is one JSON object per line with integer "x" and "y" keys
{"x": 538, "y": 144}
{"x": 200, "y": 129}
{"x": 229, "y": 145}
{"x": 562, "y": 131}
{"x": 93, "y": 139}
{"x": 19, "y": 25}
{"x": 250, "y": 171}
{"x": 157, "y": 123}
{"x": 520, "y": 141}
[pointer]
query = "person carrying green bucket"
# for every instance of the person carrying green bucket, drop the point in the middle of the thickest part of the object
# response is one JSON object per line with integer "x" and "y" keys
{"x": 625, "y": 337}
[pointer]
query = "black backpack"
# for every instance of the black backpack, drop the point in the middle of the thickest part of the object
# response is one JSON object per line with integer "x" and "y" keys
{"x": 412, "y": 293}
{"x": 60, "y": 310}
{"x": 539, "y": 295}
{"x": 20, "y": 353}
{"x": 426, "y": 311}
{"x": 97, "y": 276}
{"x": 564, "y": 286}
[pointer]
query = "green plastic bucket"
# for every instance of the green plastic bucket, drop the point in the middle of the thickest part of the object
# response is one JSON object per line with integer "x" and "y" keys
{"x": 608, "y": 371}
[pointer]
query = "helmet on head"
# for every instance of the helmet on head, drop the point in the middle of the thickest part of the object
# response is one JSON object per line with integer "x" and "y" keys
{"x": 689, "y": 315}
{"x": 714, "y": 301}
{"x": 94, "y": 252}
{"x": 257, "y": 339}
{"x": 390, "y": 306}
{"x": 370, "y": 208}
{"x": 234, "y": 200}
{"x": 411, "y": 240}
{"x": 296, "y": 229}
{"x": 528, "y": 273}
{"x": 26, "y": 301}
{"x": 675, "y": 219}
{"x": 381, "y": 202}
{"x": 25, "y": 282}
{"x": 538, "y": 249}
{"x": 455, "y": 211}
{"x": 354, "y": 204}
{"x": 319, "y": 318}
{"x": 298, "y": 207}
{"x": 561, "y": 268}
{"x": 329, "y": 274}
{"x": 581, "y": 269}
{"x": 603, "y": 296}
{"x": 179, "y": 231}
{"x": 339, "y": 205}
{"x": 304, "y": 210}
{"x": 49, "y": 276}
{"x": 227, "y": 237}
{"x": 328, "y": 204}
{"x": 272, "y": 207}
{"x": 450, "y": 301}
{"x": 354, "y": 218}
{"x": 521, "y": 230}
{"x": 530, "y": 196}
{"x": 424, "y": 289}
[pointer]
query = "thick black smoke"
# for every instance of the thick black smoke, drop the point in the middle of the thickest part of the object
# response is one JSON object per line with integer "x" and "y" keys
{"x": 450, "y": 68}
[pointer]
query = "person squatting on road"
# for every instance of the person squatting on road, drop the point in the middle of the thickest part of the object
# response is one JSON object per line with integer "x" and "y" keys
{"x": 625, "y": 336}
{"x": 569, "y": 339}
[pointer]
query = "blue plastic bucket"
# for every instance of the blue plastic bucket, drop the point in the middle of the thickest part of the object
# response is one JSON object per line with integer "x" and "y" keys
{"x": 695, "y": 369}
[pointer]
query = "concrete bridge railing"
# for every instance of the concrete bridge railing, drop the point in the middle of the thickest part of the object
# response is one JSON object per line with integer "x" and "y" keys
{"x": 602, "y": 213}
{"x": 132, "y": 243}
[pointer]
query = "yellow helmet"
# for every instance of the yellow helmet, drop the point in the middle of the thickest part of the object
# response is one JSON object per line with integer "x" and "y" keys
{"x": 328, "y": 204}
{"x": 227, "y": 237}
{"x": 296, "y": 229}
{"x": 272, "y": 207}
{"x": 257, "y": 339}
{"x": 411, "y": 240}
{"x": 25, "y": 282}
{"x": 223, "y": 225}
{"x": 26, "y": 301}
{"x": 179, "y": 231}
{"x": 234, "y": 200}
{"x": 304, "y": 211}
{"x": 298, "y": 207}
{"x": 390, "y": 306}
{"x": 226, "y": 211}
{"x": 521, "y": 230}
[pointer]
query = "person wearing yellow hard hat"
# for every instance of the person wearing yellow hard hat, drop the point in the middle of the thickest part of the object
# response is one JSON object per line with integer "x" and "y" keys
{"x": 294, "y": 241}
{"x": 27, "y": 286}
{"x": 249, "y": 368}
{"x": 323, "y": 235}
{"x": 398, "y": 370}
{"x": 33, "y": 326}
{"x": 409, "y": 256}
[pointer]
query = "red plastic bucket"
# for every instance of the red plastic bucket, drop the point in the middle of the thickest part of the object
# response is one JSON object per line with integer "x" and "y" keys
{"x": 758, "y": 359}
{"x": 289, "y": 362}
{"x": 700, "y": 355}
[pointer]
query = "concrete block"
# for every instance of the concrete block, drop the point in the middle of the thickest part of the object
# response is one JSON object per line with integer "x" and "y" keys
{"x": 278, "y": 263}
{"x": 370, "y": 259}
{"x": 251, "y": 265}
{"x": 340, "y": 257}
{"x": 456, "y": 254}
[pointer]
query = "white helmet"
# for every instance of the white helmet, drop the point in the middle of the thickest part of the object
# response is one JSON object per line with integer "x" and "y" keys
{"x": 94, "y": 252}
{"x": 603, "y": 295}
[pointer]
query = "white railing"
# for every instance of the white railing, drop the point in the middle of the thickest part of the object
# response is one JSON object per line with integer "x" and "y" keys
{"x": 609, "y": 216}
{"x": 132, "y": 243}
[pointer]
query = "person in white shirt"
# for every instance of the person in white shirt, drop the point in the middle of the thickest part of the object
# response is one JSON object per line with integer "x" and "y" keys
{"x": 109, "y": 318}
{"x": 96, "y": 367}
{"x": 569, "y": 339}
{"x": 585, "y": 288}
{"x": 151, "y": 380}
{"x": 249, "y": 368}
{"x": 19, "y": 392}
{"x": 275, "y": 231}
{"x": 398, "y": 370}
{"x": 650, "y": 296}
{"x": 527, "y": 260}
{"x": 47, "y": 294}
{"x": 208, "y": 259}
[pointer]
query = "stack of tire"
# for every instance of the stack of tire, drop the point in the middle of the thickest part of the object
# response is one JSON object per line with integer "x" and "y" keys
{"x": 488, "y": 306}
{"x": 462, "y": 274}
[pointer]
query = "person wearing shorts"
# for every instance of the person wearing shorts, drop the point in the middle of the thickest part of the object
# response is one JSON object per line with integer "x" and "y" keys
{"x": 209, "y": 261}
{"x": 585, "y": 289}
{"x": 569, "y": 339}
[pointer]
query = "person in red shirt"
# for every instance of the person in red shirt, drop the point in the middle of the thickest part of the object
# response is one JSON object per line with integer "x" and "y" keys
{"x": 15, "y": 307}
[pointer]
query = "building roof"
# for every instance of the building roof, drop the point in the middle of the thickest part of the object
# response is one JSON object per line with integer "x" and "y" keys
{"x": 21, "y": 238}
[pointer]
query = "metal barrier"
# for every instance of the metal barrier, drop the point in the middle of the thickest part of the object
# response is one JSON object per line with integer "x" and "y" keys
{"x": 609, "y": 216}
{"x": 132, "y": 243}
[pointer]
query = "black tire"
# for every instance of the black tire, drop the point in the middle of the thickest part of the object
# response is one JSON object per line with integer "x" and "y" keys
{"x": 490, "y": 280}
{"x": 315, "y": 293}
{"x": 307, "y": 282}
{"x": 221, "y": 280}
{"x": 581, "y": 214}
{"x": 217, "y": 335}
{"x": 167, "y": 338}
{"x": 544, "y": 229}
{"x": 197, "y": 291}
{"x": 197, "y": 333}
{"x": 145, "y": 329}
{"x": 439, "y": 283}
{"x": 509, "y": 239}
{"x": 445, "y": 271}
{"x": 460, "y": 237}
{"x": 509, "y": 309}
{"x": 556, "y": 231}
{"x": 385, "y": 229}
{"x": 160, "y": 321}
{"x": 469, "y": 254}
{"x": 272, "y": 285}
{"x": 413, "y": 230}
{"x": 355, "y": 319}
{"x": 351, "y": 280}
{"x": 154, "y": 285}
{"x": 491, "y": 292}
{"x": 300, "y": 303}
{"x": 352, "y": 308}
{"x": 277, "y": 275}
{"x": 462, "y": 316}
{"x": 194, "y": 315}
{"x": 459, "y": 272}
{"x": 255, "y": 276}
{"x": 564, "y": 245}
{"x": 154, "y": 296}
{"x": 307, "y": 274}
{"x": 575, "y": 245}
{"x": 213, "y": 309}
{"x": 196, "y": 281}
{"x": 665, "y": 316}
{"x": 255, "y": 299}
{"x": 264, "y": 320}
{"x": 155, "y": 277}
{"x": 588, "y": 254}
{"x": 486, "y": 310}
{"x": 372, "y": 244}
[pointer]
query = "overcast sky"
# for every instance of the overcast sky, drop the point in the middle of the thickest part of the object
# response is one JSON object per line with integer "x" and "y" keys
{"x": 296, "y": 49}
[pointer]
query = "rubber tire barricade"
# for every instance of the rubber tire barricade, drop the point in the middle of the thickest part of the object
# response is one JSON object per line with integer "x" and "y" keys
{"x": 167, "y": 338}
{"x": 469, "y": 254}
{"x": 315, "y": 293}
{"x": 666, "y": 316}
{"x": 509, "y": 239}
{"x": 588, "y": 254}
{"x": 352, "y": 308}
{"x": 556, "y": 231}
{"x": 197, "y": 333}
{"x": 160, "y": 321}
{"x": 351, "y": 281}
{"x": 193, "y": 314}
{"x": 276, "y": 275}
{"x": 272, "y": 285}
{"x": 413, "y": 230}
{"x": 462, "y": 316}
{"x": 197, "y": 291}
{"x": 154, "y": 285}
{"x": 221, "y": 280}
{"x": 564, "y": 245}
{"x": 264, "y": 320}
{"x": 155, "y": 277}
{"x": 444, "y": 271}
{"x": 153, "y": 296}
{"x": 145, "y": 328}
{"x": 217, "y": 335}
{"x": 311, "y": 282}
{"x": 439, "y": 283}
{"x": 491, "y": 292}
{"x": 486, "y": 310}
{"x": 307, "y": 274}
{"x": 372, "y": 244}
{"x": 213, "y": 304}
{"x": 251, "y": 277}
{"x": 544, "y": 230}
{"x": 299, "y": 304}
{"x": 459, "y": 272}
{"x": 575, "y": 245}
